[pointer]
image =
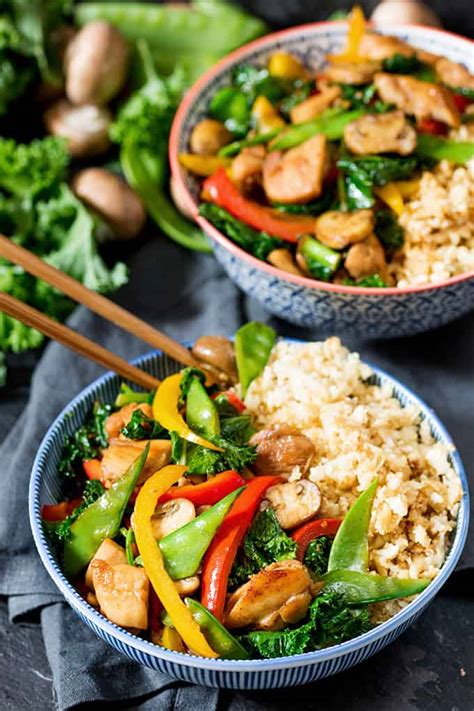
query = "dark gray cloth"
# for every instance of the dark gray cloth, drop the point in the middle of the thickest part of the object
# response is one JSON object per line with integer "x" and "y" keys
{"x": 185, "y": 295}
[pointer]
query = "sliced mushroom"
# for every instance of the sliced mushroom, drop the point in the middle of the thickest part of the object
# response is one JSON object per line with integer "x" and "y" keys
{"x": 380, "y": 133}
{"x": 122, "y": 593}
{"x": 187, "y": 586}
{"x": 96, "y": 64}
{"x": 281, "y": 448}
{"x": 454, "y": 74}
{"x": 171, "y": 516}
{"x": 208, "y": 137}
{"x": 338, "y": 229}
{"x": 117, "y": 420}
{"x": 283, "y": 259}
{"x": 297, "y": 175}
{"x": 366, "y": 258}
{"x": 348, "y": 73}
{"x": 419, "y": 98}
{"x": 111, "y": 198}
{"x": 275, "y": 597}
{"x": 217, "y": 355}
{"x": 85, "y": 128}
{"x": 314, "y": 105}
{"x": 122, "y": 453}
{"x": 407, "y": 12}
{"x": 294, "y": 502}
{"x": 111, "y": 553}
{"x": 379, "y": 47}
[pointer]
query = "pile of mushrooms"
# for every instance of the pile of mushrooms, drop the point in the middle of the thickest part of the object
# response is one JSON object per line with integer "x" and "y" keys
{"x": 95, "y": 65}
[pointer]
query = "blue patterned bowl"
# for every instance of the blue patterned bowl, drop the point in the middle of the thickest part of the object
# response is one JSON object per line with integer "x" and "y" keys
{"x": 268, "y": 674}
{"x": 383, "y": 313}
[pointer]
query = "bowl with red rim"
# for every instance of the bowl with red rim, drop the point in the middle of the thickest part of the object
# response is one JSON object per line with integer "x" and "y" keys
{"x": 374, "y": 313}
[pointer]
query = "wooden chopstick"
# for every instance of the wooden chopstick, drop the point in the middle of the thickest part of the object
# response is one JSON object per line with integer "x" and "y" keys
{"x": 74, "y": 341}
{"x": 95, "y": 302}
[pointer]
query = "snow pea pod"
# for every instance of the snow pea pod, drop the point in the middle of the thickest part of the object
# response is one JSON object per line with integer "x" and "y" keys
{"x": 101, "y": 519}
{"x": 184, "y": 549}
{"x": 332, "y": 124}
{"x": 220, "y": 639}
{"x": 437, "y": 148}
{"x": 350, "y": 549}
{"x": 201, "y": 412}
{"x": 362, "y": 588}
{"x": 253, "y": 345}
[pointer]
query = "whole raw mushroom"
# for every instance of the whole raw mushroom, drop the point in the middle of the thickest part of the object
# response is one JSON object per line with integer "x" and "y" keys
{"x": 85, "y": 128}
{"x": 96, "y": 64}
{"x": 112, "y": 199}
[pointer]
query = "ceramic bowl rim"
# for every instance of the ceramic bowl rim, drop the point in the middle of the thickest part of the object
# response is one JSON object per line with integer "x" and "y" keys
{"x": 188, "y": 200}
{"x": 249, "y": 666}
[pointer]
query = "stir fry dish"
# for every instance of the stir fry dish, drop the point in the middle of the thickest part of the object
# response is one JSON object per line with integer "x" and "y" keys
{"x": 196, "y": 518}
{"x": 328, "y": 175}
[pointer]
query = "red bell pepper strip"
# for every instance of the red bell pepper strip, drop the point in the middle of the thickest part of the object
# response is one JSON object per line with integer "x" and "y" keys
{"x": 92, "y": 468}
{"x": 221, "y": 553}
{"x": 462, "y": 102}
{"x": 222, "y": 191}
{"x": 232, "y": 398}
{"x": 436, "y": 128}
{"x": 58, "y": 512}
{"x": 307, "y": 533}
{"x": 209, "y": 492}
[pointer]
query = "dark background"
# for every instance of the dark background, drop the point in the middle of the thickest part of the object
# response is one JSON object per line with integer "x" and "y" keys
{"x": 434, "y": 667}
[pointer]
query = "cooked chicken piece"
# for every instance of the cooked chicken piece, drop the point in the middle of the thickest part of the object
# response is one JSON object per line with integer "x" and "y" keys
{"x": 122, "y": 453}
{"x": 111, "y": 553}
{"x": 281, "y": 448}
{"x": 352, "y": 73}
{"x": 217, "y": 355}
{"x": 122, "y": 593}
{"x": 297, "y": 175}
{"x": 294, "y": 502}
{"x": 187, "y": 586}
{"x": 453, "y": 74}
{"x": 247, "y": 167}
{"x": 314, "y": 105}
{"x": 171, "y": 516}
{"x": 380, "y": 47}
{"x": 338, "y": 229}
{"x": 208, "y": 137}
{"x": 276, "y": 596}
{"x": 380, "y": 133}
{"x": 283, "y": 259}
{"x": 419, "y": 98}
{"x": 366, "y": 258}
{"x": 117, "y": 420}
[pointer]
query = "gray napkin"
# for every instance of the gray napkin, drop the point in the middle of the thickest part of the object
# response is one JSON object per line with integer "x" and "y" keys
{"x": 185, "y": 295}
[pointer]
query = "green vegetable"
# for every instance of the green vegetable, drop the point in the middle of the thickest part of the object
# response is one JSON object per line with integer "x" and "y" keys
{"x": 237, "y": 430}
{"x": 201, "y": 412}
{"x": 232, "y": 107}
{"x": 129, "y": 537}
{"x": 184, "y": 549}
{"x": 429, "y": 146}
{"x": 463, "y": 91}
{"x": 361, "y": 174}
{"x": 187, "y": 377}
{"x": 373, "y": 281}
{"x": 265, "y": 543}
{"x": 260, "y": 244}
{"x": 426, "y": 73}
{"x": 253, "y": 344}
{"x": 302, "y": 91}
{"x": 141, "y": 426}
{"x": 61, "y": 530}
{"x": 101, "y": 519}
{"x": 86, "y": 443}
{"x": 127, "y": 396}
{"x": 331, "y": 123}
{"x": 317, "y": 555}
{"x": 402, "y": 64}
{"x": 364, "y": 588}
{"x": 350, "y": 548}
{"x": 388, "y": 229}
{"x": 28, "y": 170}
{"x": 363, "y": 97}
{"x": 231, "y": 149}
{"x": 322, "y": 261}
{"x": 220, "y": 639}
{"x": 201, "y": 460}
{"x": 316, "y": 207}
{"x": 257, "y": 81}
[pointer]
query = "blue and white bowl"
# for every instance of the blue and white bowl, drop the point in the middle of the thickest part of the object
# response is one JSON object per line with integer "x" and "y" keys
{"x": 45, "y": 487}
{"x": 374, "y": 313}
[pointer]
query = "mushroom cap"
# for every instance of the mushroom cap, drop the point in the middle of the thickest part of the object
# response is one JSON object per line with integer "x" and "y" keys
{"x": 86, "y": 128}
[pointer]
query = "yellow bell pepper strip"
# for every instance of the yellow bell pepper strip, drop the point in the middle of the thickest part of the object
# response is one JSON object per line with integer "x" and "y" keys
{"x": 407, "y": 188}
{"x": 265, "y": 115}
{"x": 391, "y": 196}
{"x": 286, "y": 66}
{"x": 203, "y": 165}
{"x": 171, "y": 639}
{"x": 165, "y": 411}
{"x": 153, "y": 563}
{"x": 355, "y": 32}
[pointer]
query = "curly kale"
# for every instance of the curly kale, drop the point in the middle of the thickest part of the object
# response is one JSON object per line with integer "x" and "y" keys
{"x": 402, "y": 64}
{"x": 316, "y": 556}
{"x": 388, "y": 229}
{"x": 141, "y": 426}
{"x": 204, "y": 461}
{"x": 86, "y": 443}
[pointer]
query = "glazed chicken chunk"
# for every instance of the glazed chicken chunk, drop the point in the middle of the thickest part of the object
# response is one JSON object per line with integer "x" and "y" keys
{"x": 454, "y": 74}
{"x": 297, "y": 175}
{"x": 380, "y": 133}
{"x": 111, "y": 553}
{"x": 419, "y": 98}
{"x": 281, "y": 448}
{"x": 340, "y": 229}
{"x": 352, "y": 73}
{"x": 294, "y": 502}
{"x": 379, "y": 47}
{"x": 314, "y": 105}
{"x": 122, "y": 453}
{"x": 122, "y": 593}
{"x": 366, "y": 258}
{"x": 273, "y": 598}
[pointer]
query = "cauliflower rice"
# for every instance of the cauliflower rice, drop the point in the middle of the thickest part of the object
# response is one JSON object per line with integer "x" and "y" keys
{"x": 361, "y": 431}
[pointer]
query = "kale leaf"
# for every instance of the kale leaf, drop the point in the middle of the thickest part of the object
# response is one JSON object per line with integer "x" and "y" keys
{"x": 238, "y": 429}
{"x": 141, "y": 426}
{"x": 362, "y": 174}
{"x": 317, "y": 555}
{"x": 363, "y": 97}
{"x": 60, "y": 530}
{"x": 86, "y": 443}
{"x": 260, "y": 244}
{"x": 201, "y": 460}
{"x": 316, "y": 207}
{"x": 388, "y": 229}
{"x": 265, "y": 543}
{"x": 402, "y": 64}
{"x": 373, "y": 281}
